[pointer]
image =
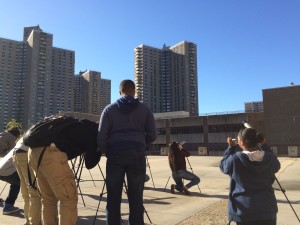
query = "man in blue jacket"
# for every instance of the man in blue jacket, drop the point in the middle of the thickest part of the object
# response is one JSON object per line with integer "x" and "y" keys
{"x": 126, "y": 128}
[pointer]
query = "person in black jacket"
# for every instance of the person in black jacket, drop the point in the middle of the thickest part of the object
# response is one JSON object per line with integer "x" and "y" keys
{"x": 55, "y": 179}
{"x": 252, "y": 172}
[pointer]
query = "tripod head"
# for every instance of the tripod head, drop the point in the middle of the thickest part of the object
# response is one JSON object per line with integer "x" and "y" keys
{"x": 246, "y": 124}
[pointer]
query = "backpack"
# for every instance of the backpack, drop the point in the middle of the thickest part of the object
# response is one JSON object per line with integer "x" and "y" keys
{"x": 48, "y": 130}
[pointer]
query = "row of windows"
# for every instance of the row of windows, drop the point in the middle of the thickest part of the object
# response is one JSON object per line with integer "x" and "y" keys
{"x": 225, "y": 128}
{"x": 187, "y": 130}
{"x": 199, "y": 129}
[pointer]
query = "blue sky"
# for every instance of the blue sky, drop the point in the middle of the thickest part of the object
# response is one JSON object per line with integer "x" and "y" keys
{"x": 244, "y": 46}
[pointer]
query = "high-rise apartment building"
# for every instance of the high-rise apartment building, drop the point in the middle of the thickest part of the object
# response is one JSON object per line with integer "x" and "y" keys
{"x": 12, "y": 80}
{"x": 166, "y": 79}
{"x": 38, "y": 78}
{"x": 92, "y": 93}
{"x": 78, "y": 92}
{"x": 105, "y": 97}
{"x": 254, "y": 106}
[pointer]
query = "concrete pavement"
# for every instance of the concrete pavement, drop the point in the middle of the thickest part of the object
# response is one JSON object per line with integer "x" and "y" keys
{"x": 165, "y": 208}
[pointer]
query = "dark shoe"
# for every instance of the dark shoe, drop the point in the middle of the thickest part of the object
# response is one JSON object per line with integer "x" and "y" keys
{"x": 173, "y": 188}
{"x": 8, "y": 209}
{"x": 186, "y": 191}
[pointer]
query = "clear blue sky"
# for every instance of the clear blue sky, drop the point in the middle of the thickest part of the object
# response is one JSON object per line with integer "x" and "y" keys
{"x": 244, "y": 46}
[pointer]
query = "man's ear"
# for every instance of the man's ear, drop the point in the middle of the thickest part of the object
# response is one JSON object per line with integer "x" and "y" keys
{"x": 120, "y": 92}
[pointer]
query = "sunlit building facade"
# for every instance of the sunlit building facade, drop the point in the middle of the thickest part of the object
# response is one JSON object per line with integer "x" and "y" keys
{"x": 166, "y": 79}
{"x": 38, "y": 78}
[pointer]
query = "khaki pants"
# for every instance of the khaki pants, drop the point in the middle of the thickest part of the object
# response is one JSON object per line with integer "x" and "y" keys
{"x": 56, "y": 183}
{"x": 32, "y": 200}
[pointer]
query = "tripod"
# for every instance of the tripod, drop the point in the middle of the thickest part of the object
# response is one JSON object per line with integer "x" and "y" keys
{"x": 78, "y": 173}
{"x": 102, "y": 193}
{"x": 283, "y": 192}
{"x": 192, "y": 172}
{"x": 3, "y": 188}
{"x": 143, "y": 205}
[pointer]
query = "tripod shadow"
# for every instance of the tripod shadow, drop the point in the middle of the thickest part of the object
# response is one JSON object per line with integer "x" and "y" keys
{"x": 101, "y": 219}
{"x": 154, "y": 189}
{"x": 125, "y": 200}
{"x": 286, "y": 202}
{"x": 208, "y": 196}
{"x": 87, "y": 220}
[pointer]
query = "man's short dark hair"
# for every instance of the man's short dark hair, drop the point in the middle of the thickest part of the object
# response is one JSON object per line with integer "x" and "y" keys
{"x": 127, "y": 86}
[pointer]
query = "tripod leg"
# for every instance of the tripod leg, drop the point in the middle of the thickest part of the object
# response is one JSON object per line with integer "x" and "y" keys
{"x": 193, "y": 172}
{"x": 81, "y": 195}
{"x": 77, "y": 178}
{"x": 147, "y": 214}
{"x": 167, "y": 183}
{"x": 3, "y": 188}
{"x": 101, "y": 194}
{"x": 283, "y": 192}
{"x": 150, "y": 171}
{"x": 92, "y": 177}
{"x": 145, "y": 211}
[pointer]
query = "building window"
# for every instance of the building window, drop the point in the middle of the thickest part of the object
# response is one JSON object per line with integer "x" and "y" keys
{"x": 187, "y": 130}
{"x": 224, "y": 128}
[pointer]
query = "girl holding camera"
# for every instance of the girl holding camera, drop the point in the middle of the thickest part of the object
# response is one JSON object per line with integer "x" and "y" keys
{"x": 251, "y": 167}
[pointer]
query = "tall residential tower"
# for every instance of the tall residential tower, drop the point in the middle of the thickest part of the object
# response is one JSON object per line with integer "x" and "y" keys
{"x": 37, "y": 79}
{"x": 92, "y": 93}
{"x": 166, "y": 79}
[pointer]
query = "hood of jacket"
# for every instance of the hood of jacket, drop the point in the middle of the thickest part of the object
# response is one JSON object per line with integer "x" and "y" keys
{"x": 127, "y": 103}
{"x": 256, "y": 161}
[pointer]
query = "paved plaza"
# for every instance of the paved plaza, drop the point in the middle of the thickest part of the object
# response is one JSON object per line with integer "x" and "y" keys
{"x": 165, "y": 208}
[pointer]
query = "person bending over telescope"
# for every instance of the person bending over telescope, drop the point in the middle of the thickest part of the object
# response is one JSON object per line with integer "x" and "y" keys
{"x": 53, "y": 141}
{"x": 176, "y": 156}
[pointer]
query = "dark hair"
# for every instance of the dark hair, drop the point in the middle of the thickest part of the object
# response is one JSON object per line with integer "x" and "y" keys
{"x": 250, "y": 137}
{"x": 14, "y": 131}
{"x": 173, "y": 150}
{"x": 127, "y": 86}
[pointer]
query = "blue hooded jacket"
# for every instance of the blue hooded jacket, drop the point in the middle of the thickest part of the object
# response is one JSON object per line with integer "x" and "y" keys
{"x": 126, "y": 126}
{"x": 251, "y": 196}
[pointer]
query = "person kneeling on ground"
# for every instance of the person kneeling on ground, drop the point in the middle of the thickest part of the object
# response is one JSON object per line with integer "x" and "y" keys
{"x": 177, "y": 164}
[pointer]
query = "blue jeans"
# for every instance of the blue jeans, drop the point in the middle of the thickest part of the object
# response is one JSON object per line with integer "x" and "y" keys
{"x": 186, "y": 175}
{"x": 134, "y": 166}
{"x": 14, "y": 189}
